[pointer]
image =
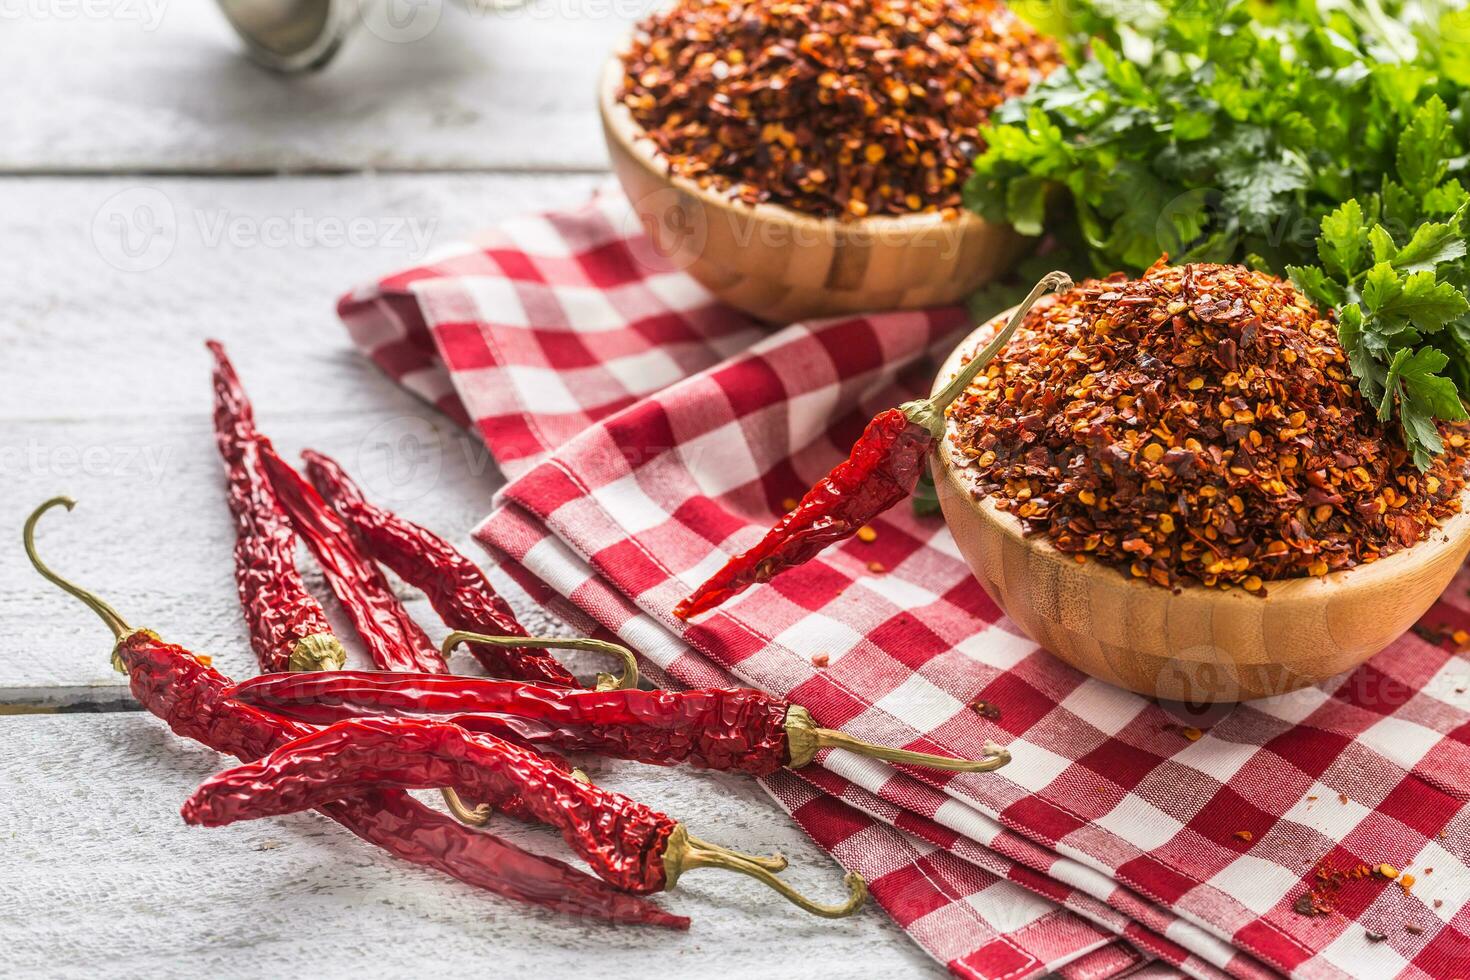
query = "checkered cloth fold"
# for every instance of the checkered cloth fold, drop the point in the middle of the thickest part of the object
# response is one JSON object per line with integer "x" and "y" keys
{"x": 649, "y": 432}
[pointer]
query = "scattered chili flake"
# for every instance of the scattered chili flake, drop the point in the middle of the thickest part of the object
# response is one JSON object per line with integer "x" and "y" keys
{"x": 1199, "y": 424}
{"x": 1311, "y": 799}
{"x": 1406, "y": 881}
{"x": 1438, "y": 902}
{"x": 1460, "y": 637}
{"x": 1413, "y": 928}
{"x": 876, "y": 566}
{"x": 1373, "y": 937}
{"x": 1321, "y": 898}
{"x": 829, "y": 108}
{"x": 204, "y": 659}
{"x": 821, "y": 659}
{"x": 986, "y": 710}
{"x": 789, "y": 504}
{"x": 1193, "y": 734}
{"x": 1342, "y": 798}
{"x": 1388, "y": 871}
{"x": 1430, "y": 634}
{"x": 866, "y": 534}
{"x": 1245, "y": 835}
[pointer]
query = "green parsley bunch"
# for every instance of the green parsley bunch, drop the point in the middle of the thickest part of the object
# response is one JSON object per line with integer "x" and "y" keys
{"x": 1322, "y": 140}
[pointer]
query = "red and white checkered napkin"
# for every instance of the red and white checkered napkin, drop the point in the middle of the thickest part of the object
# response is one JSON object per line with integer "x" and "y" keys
{"x": 649, "y": 433}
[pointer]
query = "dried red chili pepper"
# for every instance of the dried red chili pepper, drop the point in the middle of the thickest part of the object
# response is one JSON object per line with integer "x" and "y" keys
{"x": 626, "y": 843}
{"x": 188, "y": 695}
{"x": 288, "y": 629}
{"x": 730, "y": 729}
{"x": 881, "y": 470}
{"x": 456, "y": 588}
{"x": 392, "y": 638}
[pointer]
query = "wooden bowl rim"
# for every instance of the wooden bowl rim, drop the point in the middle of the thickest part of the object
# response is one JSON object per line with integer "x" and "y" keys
{"x": 619, "y": 124}
{"x": 1361, "y": 578}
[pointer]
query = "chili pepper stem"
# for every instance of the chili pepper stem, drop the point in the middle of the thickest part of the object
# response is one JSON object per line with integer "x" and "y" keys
{"x": 114, "y": 621}
{"x": 479, "y": 816}
{"x": 605, "y": 682}
{"x": 804, "y": 739}
{"x": 929, "y": 412}
{"x": 319, "y": 651}
{"x": 684, "y": 852}
{"x": 775, "y": 864}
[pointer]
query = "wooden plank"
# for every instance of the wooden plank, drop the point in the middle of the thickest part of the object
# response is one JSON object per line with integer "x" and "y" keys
{"x": 258, "y": 262}
{"x": 171, "y": 92}
{"x": 100, "y": 870}
{"x": 106, "y": 397}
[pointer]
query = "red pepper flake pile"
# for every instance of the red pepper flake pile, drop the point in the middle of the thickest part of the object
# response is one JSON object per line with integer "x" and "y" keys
{"x": 1199, "y": 424}
{"x": 1321, "y": 898}
{"x": 825, "y": 107}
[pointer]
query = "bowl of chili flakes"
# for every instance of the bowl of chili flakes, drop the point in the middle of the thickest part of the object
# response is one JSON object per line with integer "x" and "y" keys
{"x": 1102, "y": 481}
{"x": 808, "y": 160}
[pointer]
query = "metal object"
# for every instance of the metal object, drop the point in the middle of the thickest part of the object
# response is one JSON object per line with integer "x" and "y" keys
{"x": 292, "y": 36}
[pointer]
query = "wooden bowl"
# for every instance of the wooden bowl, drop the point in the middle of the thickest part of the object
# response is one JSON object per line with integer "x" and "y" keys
{"x": 1200, "y": 645}
{"x": 782, "y": 266}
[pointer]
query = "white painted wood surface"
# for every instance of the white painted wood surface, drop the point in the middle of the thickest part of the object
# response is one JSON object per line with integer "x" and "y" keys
{"x": 143, "y": 208}
{"x": 154, "y": 85}
{"x": 106, "y": 396}
{"x": 102, "y": 877}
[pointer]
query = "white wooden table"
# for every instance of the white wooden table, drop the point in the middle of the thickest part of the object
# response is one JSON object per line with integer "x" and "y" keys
{"x": 156, "y": 190}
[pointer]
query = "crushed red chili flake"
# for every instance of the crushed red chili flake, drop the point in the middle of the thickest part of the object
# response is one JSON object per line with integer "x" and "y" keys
{"x": 1198, "y": 424}
{"x": 1430, "y": 634}
{"x": 1327, "y": 881}
{"x": 1413, "y": 928}
{"x": 820, "y": 659}
{"x": 1245, "y": 835}
{"x": 986, "y": 710}
{"x": 831, "y": 108}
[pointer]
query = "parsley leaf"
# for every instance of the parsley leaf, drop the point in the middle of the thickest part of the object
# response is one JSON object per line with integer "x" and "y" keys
{"x": 1328, "y": 142}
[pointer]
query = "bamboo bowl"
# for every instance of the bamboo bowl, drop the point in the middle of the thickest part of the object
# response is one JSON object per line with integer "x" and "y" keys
{"x": 1201, "y": 645}
{"x": 781, "y": 266}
